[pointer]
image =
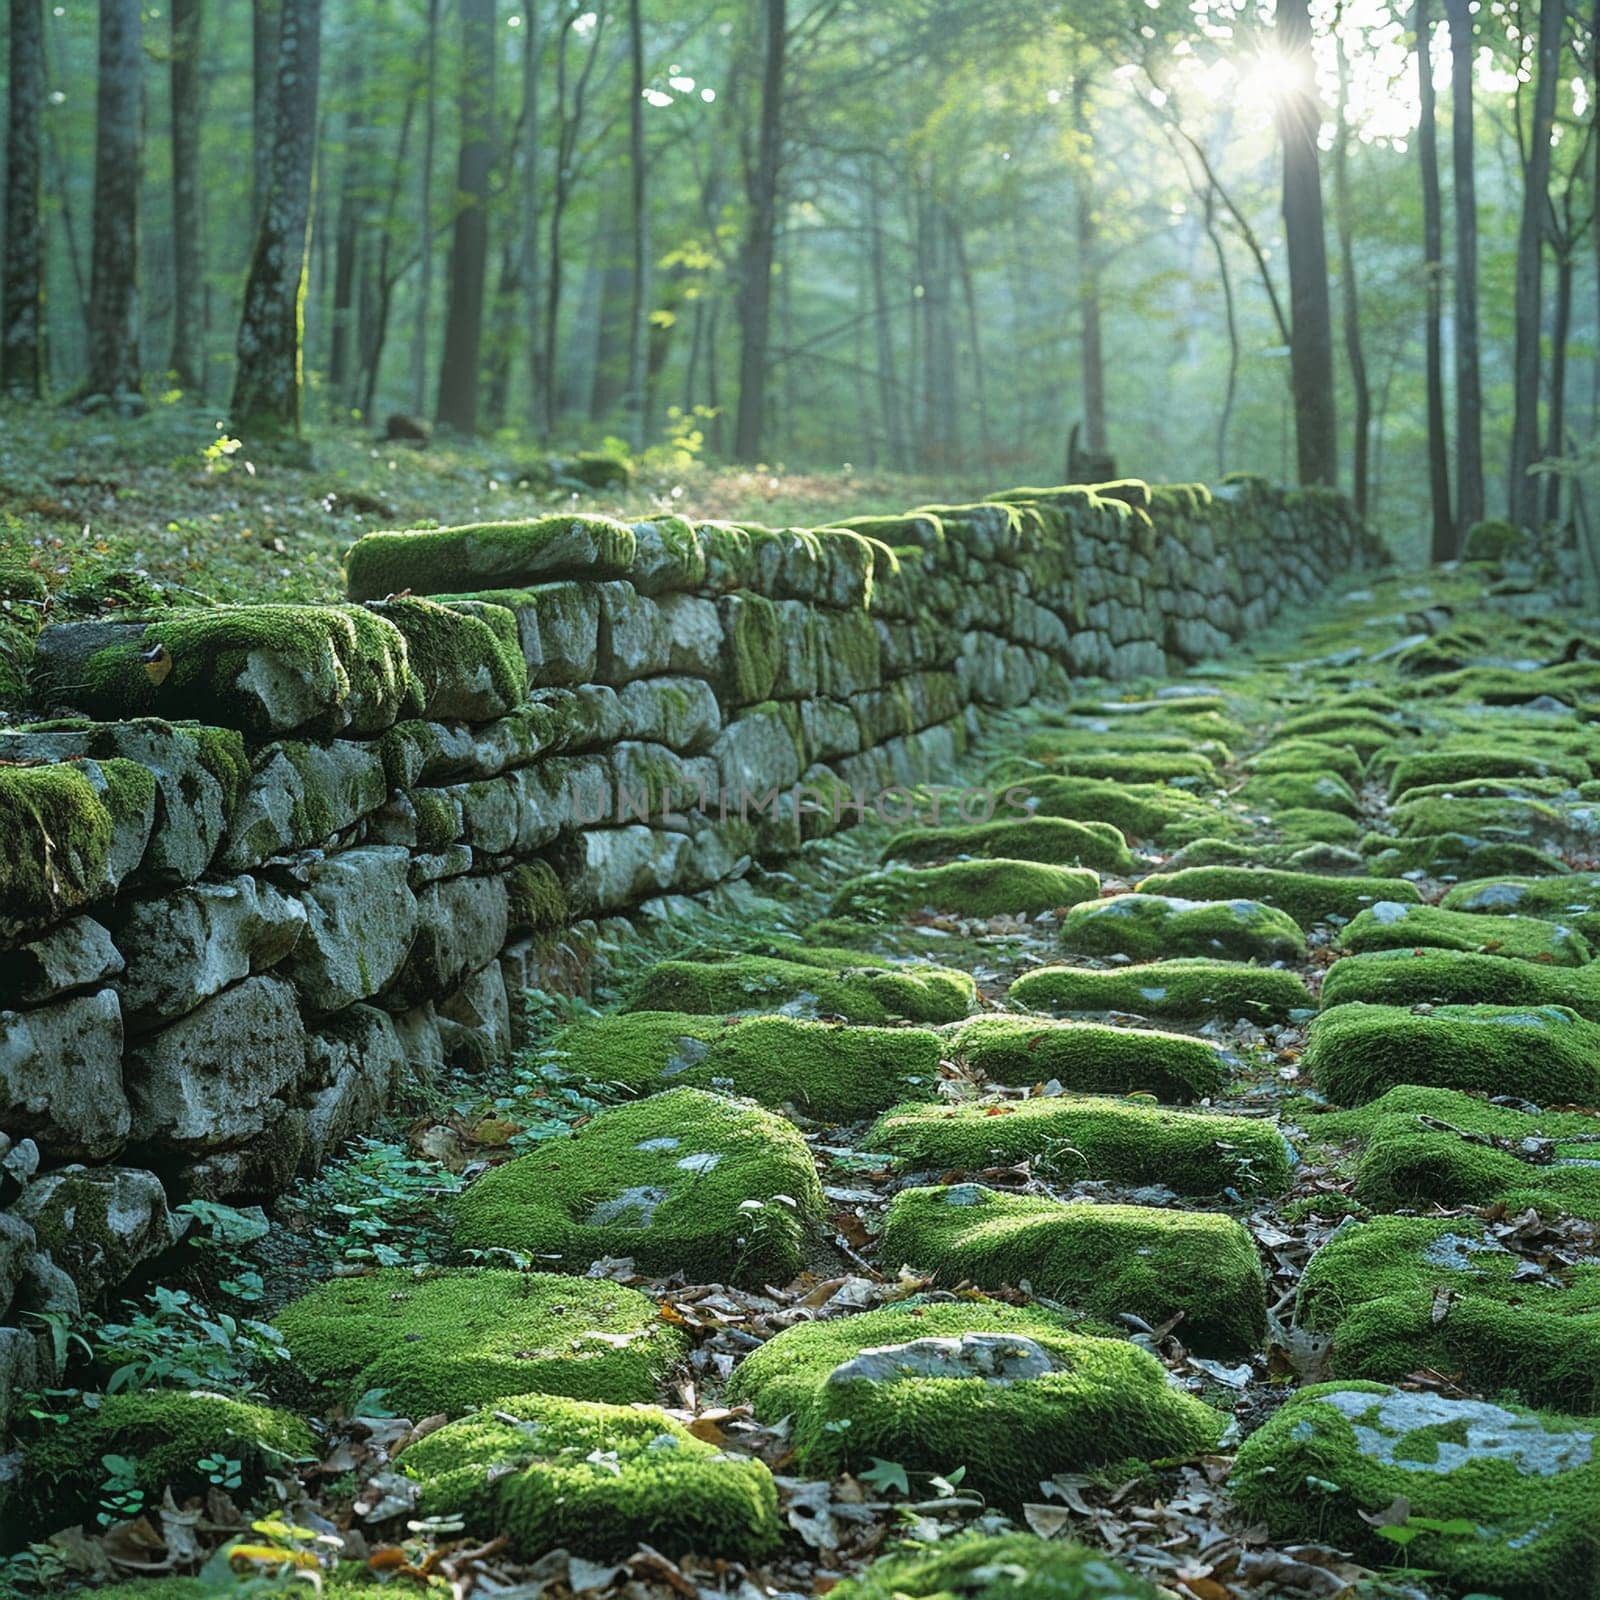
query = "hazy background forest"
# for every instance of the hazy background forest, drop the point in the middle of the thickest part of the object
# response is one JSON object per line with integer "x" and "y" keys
{"x": 912, "y": 236}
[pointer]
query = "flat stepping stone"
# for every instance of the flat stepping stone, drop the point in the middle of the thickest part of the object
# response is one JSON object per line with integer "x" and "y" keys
{"x": 992, "y": 888}
{"x": 1429, "y": 767}
{"x": 685, "y": 1182}
{"x": 598, "y": 1480}
{"x": 1011, "y": 1394}
{"x": 458, "y": 1339}
{"x": 1053, "y": 840}
{"x": 1391, "y": 925}
{"x": 1274, "y": 791}
{"x": 1145, "y": 927}
{"x": 1311, "y": 755}
{"x": 1437, "y": 1147}
{"x": 1503, "y": 1499}
{"x": 1121, "y": 766}
{"x": 1572, "y": 899}
{"x": 1189, "y": 988}
{"x": 1546, "y": 1054}
{"x": 1412, "y": 977}
{"x": 1110, "y": 1260}
{"x": 1090, "y": 1056}
{"x": 1507, "y": 819}
{"x": 1365, "y": 732}
{"x": 823, "y": 1069}
{"x": 1405, "y": 1294}
{"x": 726, "y": 983}
{"x": 1140, "y": 810}
{"x": 1452, "y": 855}
{"x": 1307, "y": 897}
{"x": 1014, "y": 1566}
{"x": 1072, "y": 1137}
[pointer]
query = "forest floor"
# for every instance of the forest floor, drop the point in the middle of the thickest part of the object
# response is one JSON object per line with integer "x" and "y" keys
{"x": 1369, "y": 740}
{"x": 82, "y": 498}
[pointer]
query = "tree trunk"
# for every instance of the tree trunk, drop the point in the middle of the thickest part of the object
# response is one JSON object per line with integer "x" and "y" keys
{"x": 188, "y": 263}
{"x": 346, "y": 233}
{"x": 639, "y": 234}
{"x": 1469, "y": 370}
{"x": 264, "y": 23}
{"x": 430, "y": 126}
{"x": 755, "y": 276}
{"x": 1556, "y": 424}
{"x": 1231, "y": 317}
{"x": 267, "y": 381}
{"x": 469, "y": 248}
{"x": 1443, "y": 546}
{"x": 22, "y": 324}
{"x": 1310, "y": 315}
{"x": 1093, "y": 351}
{"x": 1350, "y": 299}
{"x": 114, "y": 254}
{"x": 894, "y": 428}
{"x": 1522, "y": 493}
{"x": 610, "y": 289}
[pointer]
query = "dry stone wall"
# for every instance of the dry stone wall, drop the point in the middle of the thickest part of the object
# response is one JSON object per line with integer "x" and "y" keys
{"x": 263, "y": 862}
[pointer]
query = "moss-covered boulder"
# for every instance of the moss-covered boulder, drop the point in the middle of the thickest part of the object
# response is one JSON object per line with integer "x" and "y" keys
{"x": 1122, "y": 766}
{"x": 1009, "y": 1393}
{"x": 1405, "y": 1294}
{"x": 1499, "y": 1500}
{"x": 1452, "y": 855}
{"x": 1140, "y": 810}
{"x": 1546, "y": 1054}
{"x": 1191, "y": 987}
{"x": 1073, "y": 1137}
{"x": 1014, "y": 1566}
{"x": 965, "y": 889}
{"x": 1106, "y": 1259}
{"x": 548, "y": 1473}
{"x": 466, "y": 658}
{"x": 727, "y": 983}
{"x": 1465, "y": 762}
{"x": 1146, "y": 927}
{"x": 822, "y": 1069}
{"x": 488, "y": 555}
{"x": 1054, "y": 840}
{"x": 1312, "y": 755}
{"x": 454, "y": 1340}
{"x": 1308, "y": 897}
{"x": 1572, "y": 899}
{"x": 684, "y": 1181}
{"x": 1420, "y": 976}
{"x": 1392, "y": 925}
{"x": 1311, "y": 791}
{"x": 1090, "y": 1056}
{"x": 166, "y": 1433}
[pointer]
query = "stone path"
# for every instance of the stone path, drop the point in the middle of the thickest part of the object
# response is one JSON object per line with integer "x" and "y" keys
{"x": 1190, "y": 1167}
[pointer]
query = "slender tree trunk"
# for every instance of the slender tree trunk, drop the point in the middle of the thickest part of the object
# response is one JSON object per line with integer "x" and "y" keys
{"x": 188, "y": 359}
{"x": 1522, "y": 492}
{"x": 1093, "y": 350}
{"x": 1556, "y": 423}
{"x": 639, "y": 233}
{"x": 610, "y": 286}
{"x": 1310, "y": 315}
{"x": 894, "y": 429}
{"x": 23, "y": 366}
{"x": 469, "y": 249}
{"x": 353, "y": 177}
{"x": 755, "y": 277}
{"x": 264, "y": 23}
{"x": 267, "y": 381}
{"x": 974, "y": 329}
{"x": 378, "y": 335}
{"x": 532, "y": 49}
{"x": 1464, "y": 181}
{"x": 430, "y": 127}
{"x": 114, "y": 255}
{"x": 1350, "y": 299}
{"x": 1443, "y": 546}
{"x": 1231, "y": 316}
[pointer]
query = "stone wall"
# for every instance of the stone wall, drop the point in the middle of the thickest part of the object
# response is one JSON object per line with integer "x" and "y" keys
{"x": 267, "y": 861}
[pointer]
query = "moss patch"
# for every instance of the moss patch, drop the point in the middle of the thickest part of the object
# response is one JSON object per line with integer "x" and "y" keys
{"x": 1481, "y": 761}
{"x": 58, "y": 833}
{"x": 1013, "y": 1566}
{"x": 966, "y": 889}
{"x": 1420, "y": 976}
{"x": 1147, "y": 926}
{"x": 1193, "y": 987}
{"x": 1391, "y": 925}
{"x": 1572, "y": 899}
{"x": 1274, "y": 791}
{"x": 1140, "y": 810}
{"x": 1306, "y": 896}
{"x": 1053, "y": 840}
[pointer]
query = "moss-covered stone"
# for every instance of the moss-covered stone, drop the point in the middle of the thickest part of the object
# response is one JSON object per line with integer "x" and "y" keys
{"x": 822, "y": 1069}
{"x": 467, "y": 657}
{"x": 1311, "y": 755}
{"x": 1449, "y": 855}
{"x": 1053, "y": 840}
{"x": 537, "y": 902}
{"x": 58, "y": 831}
{"x": 1413, "y": 976}
{"x": 1500, "y": 1500}
{"x": 1014, "y": 1566}
{"x": 990, "y": 888}
{"x": 1450, "y": 766}
{"x": 455, "y": 1340}
{"x": 1140, "y": 810}
{"x": 726, "y": 983}
{"x": 1011, "y": 1394}
{"x": 1405, "y": 1294}
{"x": 488, "y": 555}
{"x": 1106, "y": 1259}
{"x": 1090, "y": 1057}
{"x": 1391, "y": 925}
{"x": 1308, "y": 897}
{"x": 1310, "y": 791}
{"x": 1120, "y": 766}
{"x": 1074, "y": 1137}
{"x": 1358, "y": 728}
{"x": 599, "y": 1480}
{"x": 1145, "y": 927}
{"x": 684, "y": 1181}
{"x": 1193, "y": 987}
{"x": 1572, "y": 899}
{"x": 1299, "y": 826}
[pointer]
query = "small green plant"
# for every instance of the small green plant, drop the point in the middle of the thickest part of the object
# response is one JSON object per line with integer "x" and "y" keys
{"x": 379, "y": 1204}
{"x": 217, "y": 454}
{"x": 221, "y": 1471}
{"x": 121, "y": 1498}
{"x": 173, "y": 1340}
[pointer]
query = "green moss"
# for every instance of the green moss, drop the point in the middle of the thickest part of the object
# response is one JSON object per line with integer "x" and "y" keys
{"x": 538, "y": 902}
{"x": 1402, "y": 1294}
{"x": 1014, "y": 1566}
{"x": 1546, "y": 1054}
{"x": 988, "y": 888}
{"x": 1504, "y": 819}
{"x": 1306, "y": 896}
{"x": 823, "y": 1069}
{"x": 439, "y": 825}
{"x": 454, "y": 1340}
{"x": 1457, "y": 765}
{"x": 1391, "y": 926}
{"x": 58, "y": 833}
{"x": 1076, "y": 1137}
{"x": 1052, "y": 840}
{"x": 1091, "y": 1057}
{"x": 1300, "y": 825}
{"x": 1492, "y": 540}
{"x": 1499, "y": 1500}
{"x": 1451, "y": 854}
{"x": 1189, "y": 988}
{"x": 1409, "y": 976}
{"x": 166, "y": 1434}
{"x": 598, "y": 1480}
{"x": 1102, "y": 1401}
{"x": 1272, "y": 791}
{"x": 1140, "y": 810}
{"x": 488, "y": 555}
{"x": 753, "y": 645}
{"x": 684, "y": 1181}
{"x": 724, "y": 983}
{"x": 1358, "y": 728}
{"x": 1572, "y": 899}
{"x": 1311, "y": 755}
{"x": 1148, "y": 926}
{"x": 467, "y": 656}
{"x": 1105, "y": 1259}
{"x": 1120, "y": 766}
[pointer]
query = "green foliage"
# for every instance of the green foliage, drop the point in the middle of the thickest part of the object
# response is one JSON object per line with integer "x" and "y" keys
{"x": 1307, "y": 897}
{"x": 1014, "y": 1566}
{"x": 965, "y": 888}
{"x": 1192, "y": 987}
{"x": 1146, "y": 927}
